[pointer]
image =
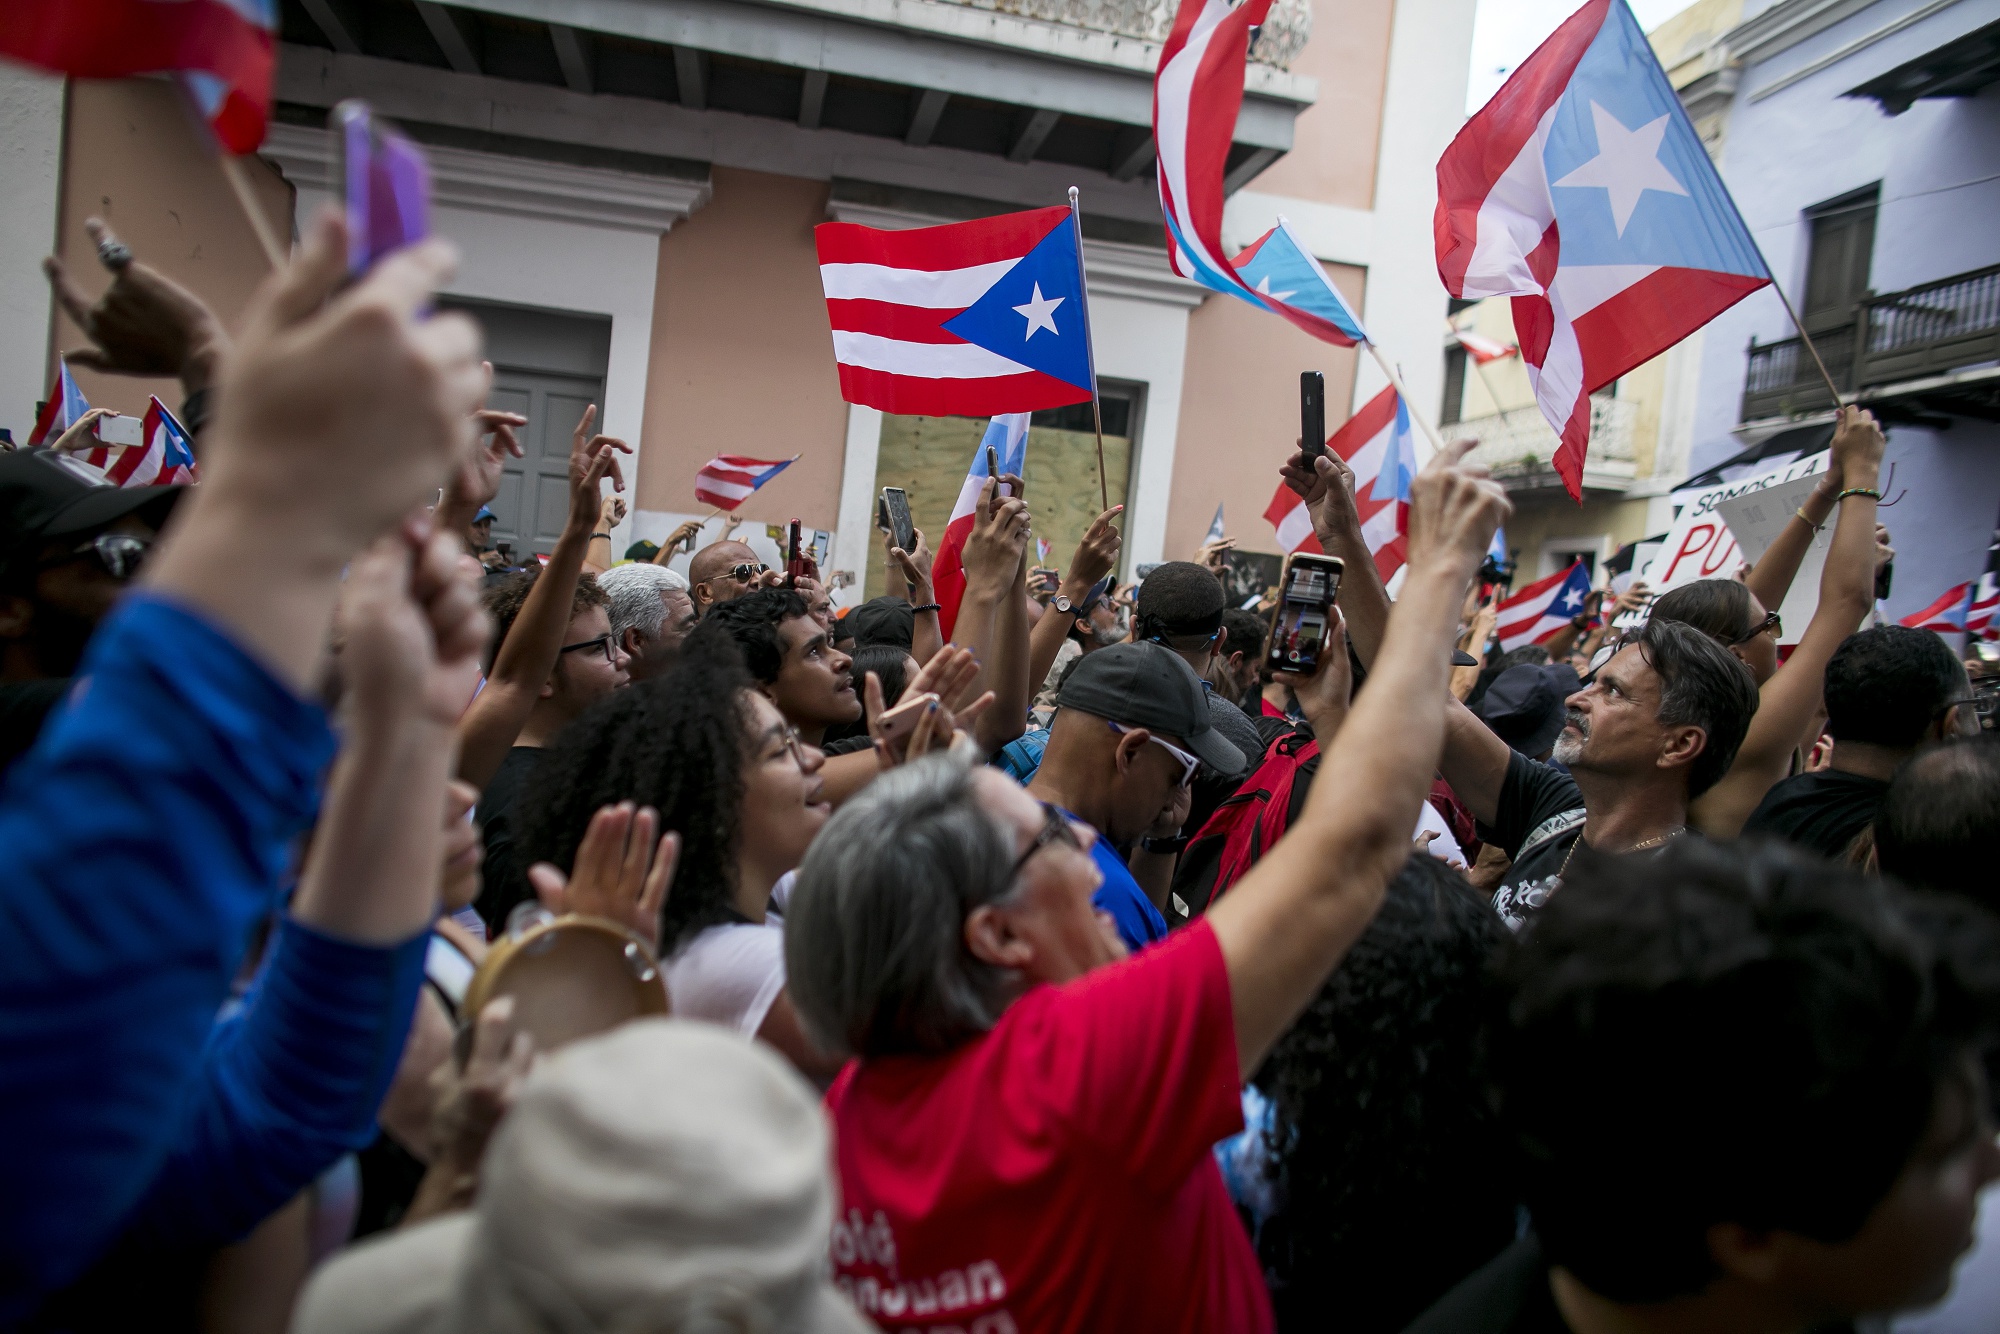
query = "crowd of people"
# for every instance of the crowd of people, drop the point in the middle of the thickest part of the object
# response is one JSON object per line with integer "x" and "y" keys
{"x": 407, "y": 934}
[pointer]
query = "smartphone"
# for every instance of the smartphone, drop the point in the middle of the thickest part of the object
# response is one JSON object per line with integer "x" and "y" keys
{"x": 896, "y": 504}
{"x": 1307, "y": 587}
{"x": 1883, "y": 578}
{"x": 798, "y": 565}
{"x": 1312, "y": 415}
{"x": 896, "y": 724}
{"x": 117, "y": 429}
{"x": 506, "y": 550}
{"x": 385, "y": 185}
{"x": 1002, "y": 489}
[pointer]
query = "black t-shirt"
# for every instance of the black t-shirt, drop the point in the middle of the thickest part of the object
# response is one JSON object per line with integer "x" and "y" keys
{"x": 1822, "y": 811}
{"x": 1508, "y": 1295}
{"x": 503, "y": 878}
{"x": 1538, "y": 820}
{"x": 24, "y": 707}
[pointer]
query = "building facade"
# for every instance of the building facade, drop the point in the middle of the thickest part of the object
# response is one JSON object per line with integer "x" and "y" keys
{"x": 633, "y": 186}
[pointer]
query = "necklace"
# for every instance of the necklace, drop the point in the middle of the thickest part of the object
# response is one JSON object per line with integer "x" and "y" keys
{"x": 1641, "y": 846}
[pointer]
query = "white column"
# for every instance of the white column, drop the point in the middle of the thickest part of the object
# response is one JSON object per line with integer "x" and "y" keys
{"x": 855, "y": 527}
{"x": 31, "y": 126}
{"x": 1145, "y": 340}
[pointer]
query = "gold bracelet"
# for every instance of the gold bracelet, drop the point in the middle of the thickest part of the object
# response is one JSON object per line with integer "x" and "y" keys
{"x": 1801, "y": 513}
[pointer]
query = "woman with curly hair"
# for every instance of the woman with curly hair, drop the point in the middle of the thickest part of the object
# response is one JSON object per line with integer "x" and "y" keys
{"x": 706, "y": 750}
{"x": 1385, "y": 1166}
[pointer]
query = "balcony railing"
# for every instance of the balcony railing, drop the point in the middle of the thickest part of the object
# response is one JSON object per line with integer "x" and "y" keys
{"x": 1519, "y": 446}
{"x": 1278, "y": 42}
{"x": 1896, "y": 337}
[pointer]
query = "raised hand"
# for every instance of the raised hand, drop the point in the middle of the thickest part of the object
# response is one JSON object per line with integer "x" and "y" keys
{"x": 458, "y": 884}
{"x": 1097, "y": 554}
{"x": 621, "y": 873}
{"x": 1324, "y": 696}
{"x": 999, "y": 537}
{"x": 144, "y": 324}
{"x": 1858, "y": 443}
{"x": 1454, "y": 509}
{"x": 477, "y": 480}
{"x": 82, "y": 432}
{"x": 684, "y": 535}
{"x": 412, "y": 627}
{"x": 591, "y": 459}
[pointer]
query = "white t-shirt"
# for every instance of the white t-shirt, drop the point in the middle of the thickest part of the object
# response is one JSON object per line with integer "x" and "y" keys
{"x": 729, "y": 975}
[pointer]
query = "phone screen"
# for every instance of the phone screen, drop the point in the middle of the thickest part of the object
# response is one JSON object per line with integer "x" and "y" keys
{"x": 385, "y": 186}
{"x": 1299, "y": 624}
{"x": 896, "y": 505}
{"x": 1312, "y": 414}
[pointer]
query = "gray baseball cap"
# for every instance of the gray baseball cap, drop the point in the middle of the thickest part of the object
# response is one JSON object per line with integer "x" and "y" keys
{"x": 1145, "y": 685}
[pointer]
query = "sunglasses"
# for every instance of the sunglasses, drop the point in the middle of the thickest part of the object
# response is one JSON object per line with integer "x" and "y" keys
{"x": 1056, "y": 828}
{"x": 744, "y": 572}
{"x": 1189, "y": 763}
{"x": 1772, "y": 624}
{"x": 120, "y": 554}
{"x": 603, "y": 643}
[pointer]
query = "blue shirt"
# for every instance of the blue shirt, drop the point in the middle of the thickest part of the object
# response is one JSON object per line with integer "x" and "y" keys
{"x": 1139, "y": 922}
{"x": 141, "y": 840}
{"x": 1021, "y": 758}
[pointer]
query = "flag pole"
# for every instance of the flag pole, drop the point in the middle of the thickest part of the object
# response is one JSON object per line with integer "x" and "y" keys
{"x": 246, "y": 199}
{"x": 1089, "y": 356}
{"x": 1403, "y": 391}
{"x": 1806, "y": 338}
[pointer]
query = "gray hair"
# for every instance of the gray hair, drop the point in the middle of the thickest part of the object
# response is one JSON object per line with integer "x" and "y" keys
{"x": 875, "y": 955}
{"x": 635, "y": 591}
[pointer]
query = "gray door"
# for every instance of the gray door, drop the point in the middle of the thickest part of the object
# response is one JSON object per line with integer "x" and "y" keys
{"x": 548, "y": 366}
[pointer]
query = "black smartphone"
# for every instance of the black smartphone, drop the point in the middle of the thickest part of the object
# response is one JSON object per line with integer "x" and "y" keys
{"x": 1312, "y": 415}
{"x": 1883, "y": 577}
{"x": 896, "y": 506}
{"x": 1306, "y": 589}
{"x": 506, "y": 550}
{"x": 1001, "y": 490}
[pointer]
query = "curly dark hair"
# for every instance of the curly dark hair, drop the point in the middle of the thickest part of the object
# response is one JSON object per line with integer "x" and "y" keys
{"x": 678, "y": 743}
{"x": 751, "y": 624}
{"x": 1390, "y": 1163}
{"x": 505, "y": 599}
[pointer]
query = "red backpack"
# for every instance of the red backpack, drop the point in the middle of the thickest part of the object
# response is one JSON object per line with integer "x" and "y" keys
{"x": 1248, "y": 823}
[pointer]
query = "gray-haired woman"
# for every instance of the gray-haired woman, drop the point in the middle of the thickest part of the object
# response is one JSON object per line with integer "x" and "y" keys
{"x": 1023, "y": 1143}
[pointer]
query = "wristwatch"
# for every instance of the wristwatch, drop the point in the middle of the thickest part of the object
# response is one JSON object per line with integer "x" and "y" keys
{"x": 1169, "y": 847}
{"x": 1062, "y": 604}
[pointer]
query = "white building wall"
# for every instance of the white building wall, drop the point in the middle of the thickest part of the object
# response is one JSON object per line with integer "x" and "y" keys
{"x": 31, "y": 123}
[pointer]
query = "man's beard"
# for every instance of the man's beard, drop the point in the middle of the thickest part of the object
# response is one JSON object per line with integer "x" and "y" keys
{"x": 1569, "y": 745}
{"x": 1115, "y": 633}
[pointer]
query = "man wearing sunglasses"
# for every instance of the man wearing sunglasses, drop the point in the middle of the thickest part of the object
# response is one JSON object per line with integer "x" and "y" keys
{"x": 724, "y": 571}
{"x": 1132, "y": 725}
{"x": 69, "y": 545}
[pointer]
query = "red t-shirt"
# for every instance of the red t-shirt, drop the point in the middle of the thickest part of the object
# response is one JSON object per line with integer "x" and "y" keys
{"x": 1056, "y": 1174}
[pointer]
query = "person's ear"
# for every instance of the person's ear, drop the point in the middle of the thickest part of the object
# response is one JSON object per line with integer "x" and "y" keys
{"x": 1682, "y": 745}
{"x": 1126, "y": 753}
{"x": 17, "y": 616}
{"x": 1746, "y": 1254}
{"x": 631, "y": 641}
{"x": 991, "y": 938}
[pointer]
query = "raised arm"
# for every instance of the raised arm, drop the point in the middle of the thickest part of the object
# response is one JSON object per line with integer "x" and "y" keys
{"x": 1328, "y": 489}
{"x": 1096, "y": 556}
{"x": 1787, "y": 702}
{"x": 992, "y": 558}
{"x": 598, "y": 556}
{"x": 926, "y": 634}
{"x": 1771, "y": 577}
{"x": 1286, "y": 926}
{"x": 477, "y": 480}
{"x": 528, "y": 655}
{"x": 1007, "y": 718}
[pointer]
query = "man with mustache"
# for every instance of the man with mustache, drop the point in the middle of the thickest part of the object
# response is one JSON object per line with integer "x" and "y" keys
{"x": 1654, "y": 728}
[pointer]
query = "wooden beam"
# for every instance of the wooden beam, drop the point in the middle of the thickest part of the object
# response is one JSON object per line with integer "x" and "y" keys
{"x": 570, "y": 54}
{"x": 691, "y": 73}
{"x": 1131, "y": 155}
{"x": 446, "y": 33}
{"x": 1246, "y": 171}
{"x": 320, "y": 12}
{"x": 1028, "y": 140}
{"x": 812, "y": 99}
{"x": 924, "y": 119}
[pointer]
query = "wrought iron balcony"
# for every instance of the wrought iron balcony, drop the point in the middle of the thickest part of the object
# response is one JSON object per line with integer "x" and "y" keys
{"x": 1899, "y": 338}
{"x": 1520, "y": 446}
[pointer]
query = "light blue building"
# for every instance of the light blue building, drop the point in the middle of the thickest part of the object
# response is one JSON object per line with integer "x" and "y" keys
{"x": 1861, "y": 139}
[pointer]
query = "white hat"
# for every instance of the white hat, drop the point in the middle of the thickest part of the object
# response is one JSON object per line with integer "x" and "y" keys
{"x": 667, "y": 1176}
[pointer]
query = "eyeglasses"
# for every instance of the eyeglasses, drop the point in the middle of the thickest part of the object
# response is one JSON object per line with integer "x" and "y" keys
{"x": 602, "y": 642}
{"x": 1189, "y": 763}
{"x": 1056, "y": 828}
{"x": 1773, "y": 624}
{"x": 745, "y": 572}
{"x": 795, "y": 745}
{"x": 120, "y": 554}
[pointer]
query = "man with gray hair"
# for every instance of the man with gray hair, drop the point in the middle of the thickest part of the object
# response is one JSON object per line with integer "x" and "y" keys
{"x": 651, "y": 613}
{"x": 1026, "y": 1132}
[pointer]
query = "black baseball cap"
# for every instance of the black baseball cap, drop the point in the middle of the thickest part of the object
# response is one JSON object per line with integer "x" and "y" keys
{"x": 1145, "y": 685}
{"x": 885, "y": 620}
{"x": 1525, "y": 706}
{"x": 45, "y": 496}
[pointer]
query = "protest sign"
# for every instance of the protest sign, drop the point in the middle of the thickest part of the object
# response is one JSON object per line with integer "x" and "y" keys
{"x": 1700, "y": 545}
{"x": 1755, "y": 519}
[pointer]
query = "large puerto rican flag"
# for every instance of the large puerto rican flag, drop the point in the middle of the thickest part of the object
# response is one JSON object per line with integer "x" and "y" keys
{"x": 972, "y": 319}
{"x": 1582, "y": 191}
{"x": 62, "y": 409}
{"x": 222, "y": 50}
{"x": 1376, "y": 443}
{"x": 1948, "y": 615}
{"x": 1008, "y": 436}
{"x": 1537, "y": 612}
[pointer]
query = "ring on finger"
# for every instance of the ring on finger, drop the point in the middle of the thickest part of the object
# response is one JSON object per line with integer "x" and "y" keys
{"x": 114, "y": 254}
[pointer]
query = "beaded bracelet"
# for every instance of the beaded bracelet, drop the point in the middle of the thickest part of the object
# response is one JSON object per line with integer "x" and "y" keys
{"x": 928, "y": 606}
{"x": 1870, "y": 492}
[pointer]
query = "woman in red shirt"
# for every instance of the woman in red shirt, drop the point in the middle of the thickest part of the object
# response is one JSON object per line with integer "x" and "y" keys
{"x": 1024, "y": 1139}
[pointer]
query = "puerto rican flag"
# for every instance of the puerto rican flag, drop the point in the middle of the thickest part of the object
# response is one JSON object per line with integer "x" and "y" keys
{"x": 1949, "y": 615}
{"x": 63, "y": 408}
{"x": 1481, "y": 348}
{"x": 1985, "y": 603}
{"x": 1537, "y": 612}
{"x": 971, "y": 319}
{"x": 222, "y": 50}
{"x": 1008, "y": 435}
{"x": 166, "y": 459}
{"x": 1375, "y": 442}
{"x": 727, "y": 480}
{"x": 1582, "y": 191}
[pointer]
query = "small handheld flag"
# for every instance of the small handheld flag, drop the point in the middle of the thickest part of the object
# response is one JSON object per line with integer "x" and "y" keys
{"x": 1042, "y": 549}
{"x": 63, "y": 409}
{"x": 1537, "y": 612}
{"x": 727, "y": 480}
{"x": 1366, "y": 442}
{"x": 1583, "y": 192}
{"x": 1007, "y": 434}
{"x": 165, "y": 458}
{"x": 972, "y": 318}
{"x": 1480, "y": 348}
{"x": 1215, "y": 529}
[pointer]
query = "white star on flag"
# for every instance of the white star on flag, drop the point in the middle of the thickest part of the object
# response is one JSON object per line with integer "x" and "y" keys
{"x": 1264, "y": 289}
{"x": 1626, "y": 166}
{"x": 1041, "y": 314}
{"x": 1570, "y": 599}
